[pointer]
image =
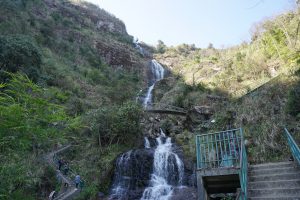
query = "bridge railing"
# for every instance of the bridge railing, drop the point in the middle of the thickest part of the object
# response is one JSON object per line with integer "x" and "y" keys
{"x": 225, "y": 149}
{"x": 293, "y": 146}
{"x": 220, "y": 149}
{"x": 243, "y": 174}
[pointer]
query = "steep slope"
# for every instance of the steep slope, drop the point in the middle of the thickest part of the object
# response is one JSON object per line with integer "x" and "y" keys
{"x": 253, "y": 85}
{"x": 84, "y": 73}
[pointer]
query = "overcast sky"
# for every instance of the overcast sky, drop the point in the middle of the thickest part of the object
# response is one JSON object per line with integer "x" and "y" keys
{"x": 221, "y": 22}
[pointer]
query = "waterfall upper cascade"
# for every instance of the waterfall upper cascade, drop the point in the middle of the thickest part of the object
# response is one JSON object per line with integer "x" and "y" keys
{"x": 158, "y": 73}
{"x": 138, "y": 47}
{"x": 150, "y": 173}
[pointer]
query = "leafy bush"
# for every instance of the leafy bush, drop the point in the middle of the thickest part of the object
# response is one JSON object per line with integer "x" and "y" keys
{"x": 19, "y": 52}
{"x": 293, "y": 104}
{"x": 161, "y": 47}
{"x": 29, "y": 123}
{"x": 112, "y": 124}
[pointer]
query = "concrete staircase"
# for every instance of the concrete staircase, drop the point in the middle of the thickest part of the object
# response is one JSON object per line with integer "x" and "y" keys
{"x": 274, "y": 181}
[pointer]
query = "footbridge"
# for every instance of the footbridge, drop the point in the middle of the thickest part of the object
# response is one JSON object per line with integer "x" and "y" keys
{"x": 165, "y": 109}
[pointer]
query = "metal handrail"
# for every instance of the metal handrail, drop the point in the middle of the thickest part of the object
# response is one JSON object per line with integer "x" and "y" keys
{"x": 220, "y": 149}
{"x": 220, "y": 132}
{"x": 224, "y": 149}
{"x": 293, "y": 145}
{"x": 243, "y": 174}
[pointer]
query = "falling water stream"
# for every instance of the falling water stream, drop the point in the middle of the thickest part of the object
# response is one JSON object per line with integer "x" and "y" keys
{"x": 168, "y": 171}
{"x": 158, "y": 73}
{"x": 150, "y": 173}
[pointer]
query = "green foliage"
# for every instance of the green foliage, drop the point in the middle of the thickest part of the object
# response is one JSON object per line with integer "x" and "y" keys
{"x": 13, "y": 4}
{"x": 115, "y": 123}
{"x": 28, "y": 123}
{"x": 210, "y": 46}
{"x": 161, "y": 47}
{"x": 293, "y": 104}
{"x": 73, "y": 78}
{"x": 18, "y": 52}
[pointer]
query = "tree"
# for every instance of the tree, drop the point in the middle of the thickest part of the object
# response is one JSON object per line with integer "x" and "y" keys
{"x": 210, "y": 46}
{"x": 161, "y": 47}
{"x": 18, "y": 52}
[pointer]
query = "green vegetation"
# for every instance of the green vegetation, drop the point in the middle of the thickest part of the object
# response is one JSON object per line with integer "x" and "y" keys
{"x": 246, "y": 86}
{"x": 66, "y": 69}
{"x": 69, "y": 74}
{"x": 237, "y": 70}
{"x": 29, "y": 125}
{"x": 293, "y": 104}
{"x": 18, "y": 51}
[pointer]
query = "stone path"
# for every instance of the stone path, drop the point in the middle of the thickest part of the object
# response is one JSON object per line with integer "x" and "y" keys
{"x": 65, "y": 193}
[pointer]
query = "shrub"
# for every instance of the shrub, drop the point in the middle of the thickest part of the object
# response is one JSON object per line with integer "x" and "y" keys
{"x": 19, "y": 52}
{"x": 293, "y": 104}
{"x": 113, "y": 124}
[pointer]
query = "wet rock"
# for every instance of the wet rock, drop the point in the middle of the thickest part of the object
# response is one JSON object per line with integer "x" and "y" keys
{"x": 100, "y": 196}
{"x": 132, "y": 174}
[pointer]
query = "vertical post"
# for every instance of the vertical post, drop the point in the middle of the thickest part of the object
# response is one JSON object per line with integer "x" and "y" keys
{"x": 208, "y": 151}
{"x": 221, "y": 148}
{"x": 202, "y": 194}
{"x": 217, "y": 151}
{"x": 198, "y": 151}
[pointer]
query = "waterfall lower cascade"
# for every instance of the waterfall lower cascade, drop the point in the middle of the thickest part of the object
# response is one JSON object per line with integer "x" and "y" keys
{"x": 168, "y": 171}
{"x": 150, "y": 173}
{"x": 158, "y": 73}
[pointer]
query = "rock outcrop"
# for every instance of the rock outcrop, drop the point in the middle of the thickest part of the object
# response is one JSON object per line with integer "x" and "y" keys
{"x": 196, "y": 115}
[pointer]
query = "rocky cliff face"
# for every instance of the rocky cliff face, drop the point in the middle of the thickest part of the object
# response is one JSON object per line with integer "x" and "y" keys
{"x": 87, "y": 14}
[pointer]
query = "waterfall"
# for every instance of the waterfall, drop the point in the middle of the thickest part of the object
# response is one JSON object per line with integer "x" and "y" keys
{"x": 147, "y": 143}
{"x": 168, "y": 171}
{"x": 138, "y": 47}
{"x": 149, "y": 173}
{"x": 121, "y": 183}
{"x": 158, "y": 73}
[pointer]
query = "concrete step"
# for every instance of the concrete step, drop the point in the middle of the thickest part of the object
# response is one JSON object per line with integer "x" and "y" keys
{"x": 278, "y": 192}
{"x": 271, "y": 165}
{"x": 275, "y": 177}
{"x": 276, "y": 170}
{"x": 274, "y": 184}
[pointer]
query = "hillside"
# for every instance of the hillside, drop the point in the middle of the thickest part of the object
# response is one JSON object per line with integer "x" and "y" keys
{"x": 254, "y": 85}
{"x": 83, "y": 76}
{"x": 70, "y": 74}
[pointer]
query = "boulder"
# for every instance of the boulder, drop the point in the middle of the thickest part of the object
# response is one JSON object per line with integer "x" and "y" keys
{"x": 132, "y": 174}
{"x": 197, "y": 115}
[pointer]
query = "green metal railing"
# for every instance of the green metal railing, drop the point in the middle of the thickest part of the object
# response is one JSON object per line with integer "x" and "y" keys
{"x": 224, "y": 149}
{"x": 243, "y": 174}
{"x": 220, "y": 149}
{"x": 293, "y": 145}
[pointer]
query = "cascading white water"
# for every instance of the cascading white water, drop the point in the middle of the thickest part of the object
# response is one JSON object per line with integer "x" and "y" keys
{"x": 158, "y": 73}
{"x": 121, "y": 187}
{"x": 138, "y": 47}
{"x": 147, "y": 143}
{"x": 168, "y": 171}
